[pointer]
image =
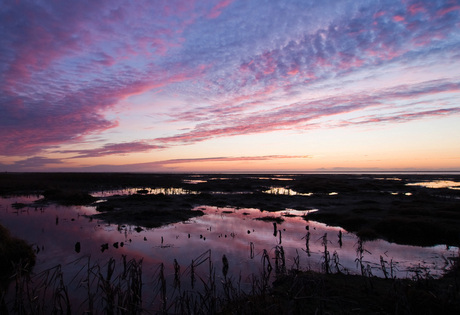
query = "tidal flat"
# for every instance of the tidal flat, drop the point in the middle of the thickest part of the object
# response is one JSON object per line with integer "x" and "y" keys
{"x": 312, "y": 229}
{"x": 401, "y": 208}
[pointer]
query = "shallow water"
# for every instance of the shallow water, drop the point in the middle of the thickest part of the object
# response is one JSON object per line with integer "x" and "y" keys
{"x": 170, "y": 191}
{"x": 285, "y": 191}
{"x": 437, "y": 184}
{"x": 54, "y": 230}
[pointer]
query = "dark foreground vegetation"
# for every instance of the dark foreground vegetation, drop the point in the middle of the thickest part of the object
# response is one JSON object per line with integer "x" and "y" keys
{"x": 15, "y": 254}
{"x": 118, "y": 287}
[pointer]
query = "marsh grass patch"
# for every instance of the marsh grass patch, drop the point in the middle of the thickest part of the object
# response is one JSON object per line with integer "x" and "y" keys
{"x": 278, "y": 220}
{"x": 13, "y": 252}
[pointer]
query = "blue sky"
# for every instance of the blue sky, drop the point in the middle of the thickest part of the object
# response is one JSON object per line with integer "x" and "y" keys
{"x": 232, "y": 85}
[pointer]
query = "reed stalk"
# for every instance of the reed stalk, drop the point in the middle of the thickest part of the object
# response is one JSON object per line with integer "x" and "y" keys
{"x": 326, "y": 259}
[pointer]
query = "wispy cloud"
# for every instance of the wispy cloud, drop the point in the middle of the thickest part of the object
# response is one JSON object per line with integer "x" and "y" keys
{"x": 217, "y": 9}
{"x": 113, "y": 149}
{"x": 216, "y": 69}
{"x": 32, "y": 123}
{"x": 400, "y": 117}
{"x": 62, "y": 68}
{"x": 362, "y": 39}
{"x": 232, "y": 159}
{"x": 36, "y": 163}
{"x": 302, "y": 113}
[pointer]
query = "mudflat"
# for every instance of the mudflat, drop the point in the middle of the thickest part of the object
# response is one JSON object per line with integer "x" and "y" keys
{"x": 400, "y": 208}
{"x": 394, "y": 207}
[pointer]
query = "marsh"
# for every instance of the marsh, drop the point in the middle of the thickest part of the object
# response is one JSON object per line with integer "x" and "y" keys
{"x": 161, "y": 219}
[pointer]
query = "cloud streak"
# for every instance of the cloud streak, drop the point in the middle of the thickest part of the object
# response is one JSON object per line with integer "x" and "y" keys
{"x": 301, "y": 114}
{"x": 231, "y": 159}
{"x": 59, "y": 77}
{"x": 148, "y": 76}
{"x": 113, "y": 149}
{"x": 399, "y": 117}
{"x": 37, "y": 163}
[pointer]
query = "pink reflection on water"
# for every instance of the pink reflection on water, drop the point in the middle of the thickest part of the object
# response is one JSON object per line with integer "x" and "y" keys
{"x": 54, "y": 231}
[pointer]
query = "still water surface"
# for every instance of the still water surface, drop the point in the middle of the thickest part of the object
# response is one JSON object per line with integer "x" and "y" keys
{"x": 54, "y": 230}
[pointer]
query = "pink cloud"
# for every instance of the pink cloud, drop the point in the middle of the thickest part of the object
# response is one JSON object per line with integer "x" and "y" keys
{"x": 416, "y": 8}
{"x": 217, "y": 9}
{"x": 43, "y": 38}
{"x": 27, "y": 130}
{"x": 399, "y": 117}
{"x": 293, "y": 71}
{"x": 281, "y": 119}
{"x": 38, "y": 124}
{"x": 235, "y": 104}
{"x": 379, "y": 14}
{"x": 225, "y": 119}
{"x": 64, "y": 64}
{"x": 447, "y": 10}
{"x": 38, "y": 163}
{"x": 114, "y": 149}
{"x": 232, "y": 159}
{"x": 363, "y": 41}
{"x": 301, "y": 114}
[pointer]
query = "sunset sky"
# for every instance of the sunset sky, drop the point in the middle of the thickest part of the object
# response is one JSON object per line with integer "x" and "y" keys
{"x": 229, "y": 85}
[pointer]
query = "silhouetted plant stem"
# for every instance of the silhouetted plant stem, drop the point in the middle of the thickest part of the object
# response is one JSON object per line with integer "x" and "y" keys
{"x": 326, "y": 256}
{"x": 340, "y": 238}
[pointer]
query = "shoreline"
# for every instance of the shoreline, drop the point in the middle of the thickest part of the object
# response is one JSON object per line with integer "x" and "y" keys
{"x": 363, "y": 203}
{"x": 368, "y": 205}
